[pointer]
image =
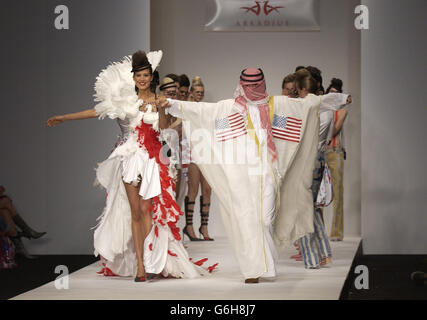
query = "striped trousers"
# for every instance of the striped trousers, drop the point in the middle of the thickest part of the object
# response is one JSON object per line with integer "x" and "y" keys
{"x": 315, "y": 246}
{"x": 335, "y": 158}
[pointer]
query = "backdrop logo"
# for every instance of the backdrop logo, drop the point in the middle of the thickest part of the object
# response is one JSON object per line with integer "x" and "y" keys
{"x": 256, "y": 9}
{"x": 262, "y": 15}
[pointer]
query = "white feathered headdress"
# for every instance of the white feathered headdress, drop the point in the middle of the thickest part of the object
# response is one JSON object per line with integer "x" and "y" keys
{"x": 154, "y": 57}
{"x": 115, "y": 88}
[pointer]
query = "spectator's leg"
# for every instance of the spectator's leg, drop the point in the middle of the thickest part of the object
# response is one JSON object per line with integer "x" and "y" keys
{"x": 7, "y": 217}
{"x": 28, "y": 232}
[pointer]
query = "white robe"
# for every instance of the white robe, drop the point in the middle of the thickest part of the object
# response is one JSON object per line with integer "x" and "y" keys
{"x": 246, "y": 181}
{"x": 296, "y": 164}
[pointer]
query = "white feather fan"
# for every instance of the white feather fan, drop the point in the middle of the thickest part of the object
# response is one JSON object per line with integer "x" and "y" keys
{"x": 115, "y": 88}
{"x": 115, "y": 91}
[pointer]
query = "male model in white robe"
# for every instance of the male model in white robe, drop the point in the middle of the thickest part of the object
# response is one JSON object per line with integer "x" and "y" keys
{"x": 260, "y": 173}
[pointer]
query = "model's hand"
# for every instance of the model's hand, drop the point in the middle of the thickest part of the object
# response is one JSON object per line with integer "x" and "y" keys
{"x": 143, "y": 107}
{"x": 55, "y": 120}
{"x": 349, "y": 99}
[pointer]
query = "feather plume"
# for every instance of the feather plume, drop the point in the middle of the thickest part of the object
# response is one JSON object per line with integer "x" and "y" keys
{"x": 115, "y": 91}
{"x": 154, "y": 57}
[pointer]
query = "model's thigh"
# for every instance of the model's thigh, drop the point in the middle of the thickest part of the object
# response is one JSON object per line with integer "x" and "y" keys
{"x": 134, "y": 199}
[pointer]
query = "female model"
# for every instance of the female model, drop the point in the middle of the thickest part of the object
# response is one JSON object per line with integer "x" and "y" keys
{"x": 137, "y": 178}
{"x": 195, "y": 178}
{"x": 315, "y": 247}
{"x": 335, "y": 156}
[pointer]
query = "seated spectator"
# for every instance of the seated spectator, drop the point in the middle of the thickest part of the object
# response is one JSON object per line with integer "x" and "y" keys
{"x": 7, "y": 251}
{"x": 12, "y": 219}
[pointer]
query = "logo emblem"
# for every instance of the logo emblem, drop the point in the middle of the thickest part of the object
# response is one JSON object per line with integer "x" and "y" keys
{"x": 256, "y": 9}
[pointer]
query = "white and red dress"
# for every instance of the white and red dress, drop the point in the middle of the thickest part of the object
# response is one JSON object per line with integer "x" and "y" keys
{"x": 137, "y": 159}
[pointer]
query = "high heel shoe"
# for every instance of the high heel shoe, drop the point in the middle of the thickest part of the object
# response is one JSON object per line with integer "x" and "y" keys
{"x": 188, "y": 219}
{"x": 140, "y": 279}
{"x": 184, "y": 231}
{"x": 204, "y": 218}
{"x": 202, "y": 237}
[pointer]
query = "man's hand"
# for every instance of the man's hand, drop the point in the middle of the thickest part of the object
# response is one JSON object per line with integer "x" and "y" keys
{"x": 162, "y": 102}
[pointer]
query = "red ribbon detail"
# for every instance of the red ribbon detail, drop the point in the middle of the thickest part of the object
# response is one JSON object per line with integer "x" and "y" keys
{"x": 212, "y": 267}
{"x": 172, "y": 254}
{"x": 200, "y": 262}
{"x": 164, "y": 205}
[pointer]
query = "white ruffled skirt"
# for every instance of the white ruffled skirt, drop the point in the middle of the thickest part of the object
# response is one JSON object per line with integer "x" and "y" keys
{"x": 163, "y": 253}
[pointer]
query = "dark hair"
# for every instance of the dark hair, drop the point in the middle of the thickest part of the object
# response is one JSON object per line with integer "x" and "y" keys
{"x": 140, "y": 62}
{"x": 184, "y": 81}
{"x": 287, "y": 79}
{"x": 336, "y": 84}
{"x": 299, "y": 68}
{"x": 317, "y": 75}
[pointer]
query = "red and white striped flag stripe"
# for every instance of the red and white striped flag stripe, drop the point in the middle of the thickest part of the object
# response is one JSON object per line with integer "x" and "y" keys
{"x": 287, "y": 128}
{"x": 229, "y": 128}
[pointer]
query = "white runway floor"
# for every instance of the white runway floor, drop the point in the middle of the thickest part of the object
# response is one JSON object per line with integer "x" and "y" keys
{"x": 292, "y": 282}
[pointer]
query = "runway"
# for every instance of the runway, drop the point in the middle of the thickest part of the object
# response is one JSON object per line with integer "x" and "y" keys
{"x": 293, "y": 281}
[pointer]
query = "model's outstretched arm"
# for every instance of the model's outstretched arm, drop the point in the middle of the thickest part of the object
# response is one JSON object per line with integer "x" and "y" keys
{"x": 85, "y": 114}
{"x": 334, "y": 101}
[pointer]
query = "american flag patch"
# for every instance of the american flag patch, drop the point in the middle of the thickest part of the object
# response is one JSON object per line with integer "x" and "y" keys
{"x": 287, "y": 128}
{"x": 229, "y": 128}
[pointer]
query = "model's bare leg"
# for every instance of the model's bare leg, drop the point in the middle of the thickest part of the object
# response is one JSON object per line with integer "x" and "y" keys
{"x": 138, "y": 232}
{"x": 204, "y": 207}
{"x": 193, "y": 189}
{"x": 147, "y": 220}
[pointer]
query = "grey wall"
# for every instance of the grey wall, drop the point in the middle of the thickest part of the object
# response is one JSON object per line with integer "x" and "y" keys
{"x": 394, "y": 113}
{"x": 49, "y": 171}
{"x": 177, "y": 28}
